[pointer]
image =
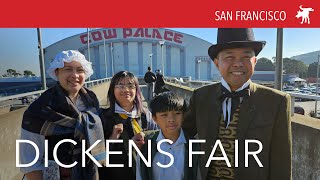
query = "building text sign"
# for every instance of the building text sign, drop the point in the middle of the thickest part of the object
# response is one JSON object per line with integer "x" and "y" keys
{"x": 125, "y": 33}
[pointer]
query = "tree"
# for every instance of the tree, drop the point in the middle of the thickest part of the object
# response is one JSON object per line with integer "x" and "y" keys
{"x": 312, "y": 69}
{"x": 295, "y": 67}
{"x": 11, "y": 72}
{"x": 264, "y": 64}
{"x": 28, "y": 73}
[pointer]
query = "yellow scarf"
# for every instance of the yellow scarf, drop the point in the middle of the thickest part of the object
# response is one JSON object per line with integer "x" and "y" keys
{"x": 135, "y": 126}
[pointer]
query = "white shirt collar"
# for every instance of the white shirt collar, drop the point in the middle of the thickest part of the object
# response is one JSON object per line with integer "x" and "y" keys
{"x": 226, "y": 104}
{"x": 226, "y": 85}
{"x": 120, "y": 110}
{"x": 181, "y": 139}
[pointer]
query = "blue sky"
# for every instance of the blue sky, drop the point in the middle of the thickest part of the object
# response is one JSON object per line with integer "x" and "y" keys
{"x": 18, "y": 46}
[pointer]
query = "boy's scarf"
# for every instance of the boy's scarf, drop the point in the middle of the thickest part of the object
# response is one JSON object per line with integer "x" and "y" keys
{"x": 55, "y": 114}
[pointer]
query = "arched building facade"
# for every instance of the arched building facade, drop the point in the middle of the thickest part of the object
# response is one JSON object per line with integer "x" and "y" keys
{"x": 134, "y": 49}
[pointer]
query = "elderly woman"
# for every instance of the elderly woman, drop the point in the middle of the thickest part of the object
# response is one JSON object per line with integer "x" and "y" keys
{"x": 125, "y": 119}
{"x": 65, "y": 111}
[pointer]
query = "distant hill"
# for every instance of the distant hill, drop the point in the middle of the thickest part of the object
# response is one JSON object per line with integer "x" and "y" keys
{"x": 307, "y": 58}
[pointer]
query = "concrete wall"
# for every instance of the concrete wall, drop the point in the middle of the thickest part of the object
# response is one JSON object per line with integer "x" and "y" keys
{"x": 102, "y": 92}
{"x": 182, "y": 91}
{"x": 10, "y": 125}
{"x": 305, "y": 141}
{"x": 305, "y": 147}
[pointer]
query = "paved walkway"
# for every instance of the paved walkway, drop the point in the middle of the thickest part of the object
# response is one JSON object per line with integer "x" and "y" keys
{"x": 10, "y": 124}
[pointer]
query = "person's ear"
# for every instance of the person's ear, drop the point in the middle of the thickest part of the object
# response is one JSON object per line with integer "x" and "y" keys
{"x": 254, "y": 60}
{"x": 216, "y": 62}
{"x": 56, "y": 72}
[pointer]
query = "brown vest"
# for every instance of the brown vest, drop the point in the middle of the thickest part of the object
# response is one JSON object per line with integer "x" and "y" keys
{"x": 218, "y": 169}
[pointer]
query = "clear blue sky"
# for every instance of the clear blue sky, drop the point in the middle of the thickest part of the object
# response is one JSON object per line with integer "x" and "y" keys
{"x": 18, "y": 46}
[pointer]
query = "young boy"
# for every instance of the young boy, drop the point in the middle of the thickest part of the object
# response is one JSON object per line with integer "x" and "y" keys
{"x": 167, "y": 111}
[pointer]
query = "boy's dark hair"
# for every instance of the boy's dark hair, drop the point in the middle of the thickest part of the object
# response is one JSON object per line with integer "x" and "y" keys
{"x": 167, "y": 101}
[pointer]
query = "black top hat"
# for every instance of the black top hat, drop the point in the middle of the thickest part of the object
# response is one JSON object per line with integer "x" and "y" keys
{"x": 229, "y": 38}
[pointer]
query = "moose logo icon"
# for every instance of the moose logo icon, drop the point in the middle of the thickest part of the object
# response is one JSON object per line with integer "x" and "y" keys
{"x": 304, "y": 13}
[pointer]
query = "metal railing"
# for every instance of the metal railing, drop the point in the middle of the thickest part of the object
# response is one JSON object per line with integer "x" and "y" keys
{"x": 180, "y": 82}
{"x": 88, "y": 84}
{"x": 92, "y": 83}
{"x": 5, "y": 106}
{"x": 196, "y": 84}
{"x": 17, "y": 96}
{"x": 302, "y": 96}
{"x": 191, "y": 84}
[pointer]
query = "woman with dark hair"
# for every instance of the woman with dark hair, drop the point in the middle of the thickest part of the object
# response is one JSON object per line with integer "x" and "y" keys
{"x": 125, "y": 119}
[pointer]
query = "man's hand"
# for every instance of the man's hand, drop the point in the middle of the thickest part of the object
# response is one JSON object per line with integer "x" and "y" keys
{"x": 117, "y": 130}
{"x": 139, "y": 139}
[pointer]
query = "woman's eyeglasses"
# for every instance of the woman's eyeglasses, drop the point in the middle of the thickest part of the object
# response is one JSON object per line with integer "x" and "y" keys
{"x": 122, "y": 87}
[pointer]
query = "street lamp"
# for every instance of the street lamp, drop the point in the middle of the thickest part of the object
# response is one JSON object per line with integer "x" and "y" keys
{"x": 279, "y": 60}
{"x": 41, "y": 59}
{"x": 88, "y": 44}
{"x": 105, "y": 54}
{"x": 112, "y": 57}
{"x": 150, "y": 55}
{"x": 317, "y": 87}
{"x": 199, "y": 61}
{"x": 161, "y": 44}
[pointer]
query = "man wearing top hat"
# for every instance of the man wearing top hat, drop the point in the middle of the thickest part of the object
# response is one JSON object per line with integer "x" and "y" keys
{"x": 238, "y": 109}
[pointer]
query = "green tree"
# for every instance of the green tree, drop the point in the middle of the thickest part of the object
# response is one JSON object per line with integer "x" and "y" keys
{"x": 28, "y": 73}
{"x": 295, "y": 67}
{"x": 312, "y": 69}
{"x": 11, "y": 72}
{"x": 17, "y": 74}
{"x": 264, "y": 64}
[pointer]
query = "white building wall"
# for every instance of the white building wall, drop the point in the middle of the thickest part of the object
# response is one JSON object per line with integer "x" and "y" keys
{"x": 203, "y": 70}
{"x": 146, "y": 50}
{"x": 175, "y": 61}
{"x": 164, "y": 58}
{"x": 133, "y": 57}
{"x": 103, "y": 58}
{"x": 159, "y": 65}
{"x": 192, "y": 46}
{"x": 118, "y": 57}
{"x": 86, "y": 54}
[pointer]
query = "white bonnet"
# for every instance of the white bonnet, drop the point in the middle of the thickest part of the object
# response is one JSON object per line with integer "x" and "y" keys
{"x": 68, "y": 56}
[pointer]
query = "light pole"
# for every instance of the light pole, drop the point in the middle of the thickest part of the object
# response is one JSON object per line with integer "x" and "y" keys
{"x": 41, "y": 59}
{"x": 161, "y": 44}
{"x": 88, "y": 37}
{"x": 105, "y": 54}
{"x": 279, "y": 60}
{"x": 317, "y": 87}
{"x": 199, "y": 61}
{"x": 150, "y": 55}
{"x": 112, "y": 64}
